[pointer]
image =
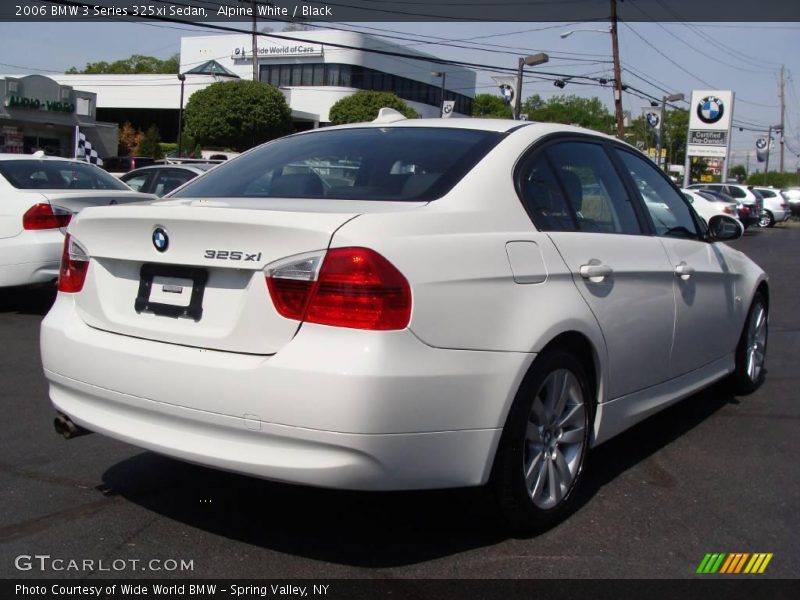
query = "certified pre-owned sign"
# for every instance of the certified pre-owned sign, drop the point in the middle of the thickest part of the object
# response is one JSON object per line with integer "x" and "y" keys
{"x": 710, "y": 123}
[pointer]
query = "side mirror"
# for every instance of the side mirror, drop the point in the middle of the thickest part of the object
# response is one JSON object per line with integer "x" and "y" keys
{"x": 722, "y": 228}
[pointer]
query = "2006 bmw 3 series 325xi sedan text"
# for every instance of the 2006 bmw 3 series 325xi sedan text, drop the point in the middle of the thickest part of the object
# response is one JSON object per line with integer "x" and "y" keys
{"x": 403, "y": 304}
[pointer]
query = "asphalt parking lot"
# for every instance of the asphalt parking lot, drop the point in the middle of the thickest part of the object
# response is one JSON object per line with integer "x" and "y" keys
{"x": 714, "y": 473}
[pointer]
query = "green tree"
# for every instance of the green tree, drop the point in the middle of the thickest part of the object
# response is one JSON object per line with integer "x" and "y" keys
{"x": 237, "y": 114}
{"x": 774, "y": 178}
{"x": 674, "y": 142}
{"x": 491, "y": 107}
{"x": 363, "y": 106}
{"x": 135, "y": 64}
{"x": 570, "y": 110}
{"x": 151, "y": 143}
{"x": 739, "y": 172}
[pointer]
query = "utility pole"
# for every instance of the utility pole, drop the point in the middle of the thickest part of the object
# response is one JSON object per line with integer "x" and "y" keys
{"x": 783, "y": 110}
{"x": 255, "y": 43}
{"x": 617, "y": 73}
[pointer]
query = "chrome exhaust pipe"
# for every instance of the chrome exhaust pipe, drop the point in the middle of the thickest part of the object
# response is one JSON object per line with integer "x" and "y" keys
{"x": 65, "y": 427}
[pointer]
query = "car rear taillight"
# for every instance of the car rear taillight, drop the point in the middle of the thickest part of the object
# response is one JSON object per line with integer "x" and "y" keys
{"x": 345, "y": 287}
{"x": 43, "y": 216}
{"x": 74, "y": 264}
{"x": 727, "y": 210}
{"x": 744, "y": 210}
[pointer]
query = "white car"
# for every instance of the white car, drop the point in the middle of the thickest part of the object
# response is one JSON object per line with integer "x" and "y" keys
{"x": 402, "y": 304}
{"x": 776, "y": 207}
{"x": 39, "y": 196}
{"x": 707, "y": 205}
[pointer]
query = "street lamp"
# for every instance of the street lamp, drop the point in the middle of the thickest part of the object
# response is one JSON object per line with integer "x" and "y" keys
{"x": 618, "y": 87}
{"x": 531, "y": 61}
{"x": 566, "y": 34}
{"x": 443, "y": 75}
{"x": 182, "y": 79}
{"x": 664, "y": 100}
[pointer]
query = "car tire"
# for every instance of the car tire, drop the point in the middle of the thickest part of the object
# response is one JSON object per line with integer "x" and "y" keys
{"x": 542, "y": 453}
{"x": 767, "y": 220}
{"x": 751, "y": 351}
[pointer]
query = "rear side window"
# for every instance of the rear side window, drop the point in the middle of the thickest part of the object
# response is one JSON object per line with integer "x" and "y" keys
{"x": 392, "y": 163}
{"x": 57, "y": 175}
{"x": 168, "y": 179}
{"x": 593, "y": 188}
{"x": 543, "y": 197}
{"x": 736, "y": 192}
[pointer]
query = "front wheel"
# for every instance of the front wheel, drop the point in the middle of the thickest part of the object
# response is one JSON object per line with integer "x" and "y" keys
{"x": 766, "y": 220}
{"x": 539, "y": 463}
{"x": 751, "y": 353}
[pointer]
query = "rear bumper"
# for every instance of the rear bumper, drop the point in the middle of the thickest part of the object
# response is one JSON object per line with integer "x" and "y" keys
{"x": 334, "y": 408}
{"x": 30, "y": 257}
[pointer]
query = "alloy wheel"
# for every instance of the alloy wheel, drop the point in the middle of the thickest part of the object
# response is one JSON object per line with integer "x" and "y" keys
{"x": 555, "y": 438}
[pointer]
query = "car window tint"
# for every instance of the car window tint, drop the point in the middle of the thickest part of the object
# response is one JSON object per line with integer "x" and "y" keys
{"x": 593, "y": 188}
{"x": 736, "y": 192}
{"x": 767, "y": 193}
{"x": 135, "y": 182}
{"x": 371, "y": 163}
{"x": 169, "y": 179}
{"x": 541, "y": 193}
{"x": 670, "y": 213}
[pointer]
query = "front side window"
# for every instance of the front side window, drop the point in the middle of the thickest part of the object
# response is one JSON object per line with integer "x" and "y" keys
{"x": 57, "y": 175}
{"x": 668, "y": 210}
{"x": 387, "y": 163}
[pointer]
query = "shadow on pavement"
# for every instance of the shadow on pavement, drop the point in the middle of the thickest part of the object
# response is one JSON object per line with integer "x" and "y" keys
{"x": 28, "y": 300}
{"x": 372, "y": 529}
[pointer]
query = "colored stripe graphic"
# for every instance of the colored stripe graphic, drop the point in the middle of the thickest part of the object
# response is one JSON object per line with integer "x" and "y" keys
{"x": 727, "y": 564}
{"x": 733, "y": 563}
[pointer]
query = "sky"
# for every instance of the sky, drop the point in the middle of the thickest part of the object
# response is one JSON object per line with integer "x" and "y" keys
{"x": 675, "y": 57}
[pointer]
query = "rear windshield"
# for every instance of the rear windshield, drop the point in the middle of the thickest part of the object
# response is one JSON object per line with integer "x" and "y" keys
{"x": 57, "y": 175}
{"x": 393, "y": 163}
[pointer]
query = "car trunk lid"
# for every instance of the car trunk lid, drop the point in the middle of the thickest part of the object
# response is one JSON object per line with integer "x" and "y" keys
{"x": 206, "y": 287}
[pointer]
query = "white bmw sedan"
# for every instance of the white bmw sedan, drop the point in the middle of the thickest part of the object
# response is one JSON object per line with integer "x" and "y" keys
{"x": 403, "y": 304}
{"x": 38, "y": 196}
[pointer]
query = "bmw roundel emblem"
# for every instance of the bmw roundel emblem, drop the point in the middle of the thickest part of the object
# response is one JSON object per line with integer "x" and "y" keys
{"x": 710, "y": 109}
{"x": 160, "y": 239}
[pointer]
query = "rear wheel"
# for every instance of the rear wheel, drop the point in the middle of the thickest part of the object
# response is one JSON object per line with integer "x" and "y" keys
{"x": 751, "y": 352}
{"x": 767, "y": 219}
{"x": 539, "y": 463}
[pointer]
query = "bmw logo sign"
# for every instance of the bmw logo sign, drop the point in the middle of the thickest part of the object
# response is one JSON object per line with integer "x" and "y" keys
{"x": 160, "y": 239}
{"x": 710, "y": 109}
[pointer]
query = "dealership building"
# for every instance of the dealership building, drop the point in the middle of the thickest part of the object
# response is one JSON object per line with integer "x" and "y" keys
{"x": 313, "y": 70}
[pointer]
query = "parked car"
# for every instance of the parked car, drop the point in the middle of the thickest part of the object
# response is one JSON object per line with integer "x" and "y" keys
{"x": 39, "y": 197}
{"x": 117, "y": 165}
{"x": 477, "y": 301}
{"x": 792, "y": 196}
{"x": 743, "y": 194}
{"x": 162, "y": 179}
{"x": 707, "y": 205}
{"x": 776, "y": 207}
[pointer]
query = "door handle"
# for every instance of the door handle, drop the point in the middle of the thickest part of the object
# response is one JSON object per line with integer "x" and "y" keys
{"x": 595, "y": 273}
{"x": 684, "y": 271}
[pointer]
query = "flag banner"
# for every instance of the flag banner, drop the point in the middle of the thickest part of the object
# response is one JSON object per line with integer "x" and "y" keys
{"x": 761, "y": 149}
{"x": 447, "y": 108}
{"x": 84, "y": 150}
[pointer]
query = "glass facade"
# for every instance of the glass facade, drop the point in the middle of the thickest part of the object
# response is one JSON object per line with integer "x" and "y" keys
{"x": 361, "y": 78}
